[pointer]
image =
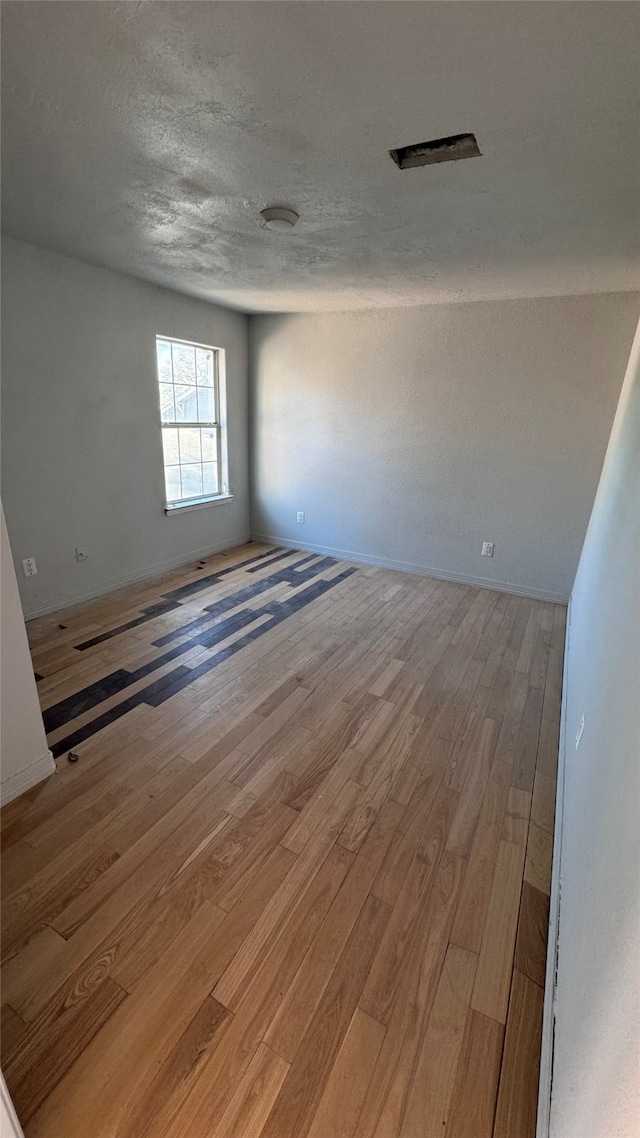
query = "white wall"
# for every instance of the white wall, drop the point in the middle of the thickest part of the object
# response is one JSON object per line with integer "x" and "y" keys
{"x": 410, "y": 436}
{"x": 81, "y": 449}
{"x": 596, "y": 1085}
{"x": 24, "y": 755}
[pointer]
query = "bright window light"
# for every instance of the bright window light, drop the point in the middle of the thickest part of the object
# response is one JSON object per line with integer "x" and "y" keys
{"x": 193, "y": 421}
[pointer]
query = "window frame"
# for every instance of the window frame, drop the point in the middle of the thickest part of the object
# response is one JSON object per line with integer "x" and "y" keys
{"x": 174, "y": 507}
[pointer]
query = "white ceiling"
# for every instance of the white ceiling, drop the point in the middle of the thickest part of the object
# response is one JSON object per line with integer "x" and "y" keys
{"x": 147, "y": 137}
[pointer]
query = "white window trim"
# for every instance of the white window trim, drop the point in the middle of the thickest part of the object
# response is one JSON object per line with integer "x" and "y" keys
{"x": 196, "y": 504}
{"x": 172, "y": 509}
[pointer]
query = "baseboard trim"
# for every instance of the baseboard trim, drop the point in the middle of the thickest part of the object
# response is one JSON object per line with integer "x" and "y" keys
{"x": 70, "y": 599}
{"x": 17, "y": 783}
{"x": 545, "y": 1083}
{"x": 408, "y": 567}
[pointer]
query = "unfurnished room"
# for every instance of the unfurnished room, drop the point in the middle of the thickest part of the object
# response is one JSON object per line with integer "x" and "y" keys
{"x": 320, "y": 596}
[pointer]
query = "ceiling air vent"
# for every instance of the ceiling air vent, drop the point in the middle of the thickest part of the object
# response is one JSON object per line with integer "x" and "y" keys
{"x": 449, "y": 149}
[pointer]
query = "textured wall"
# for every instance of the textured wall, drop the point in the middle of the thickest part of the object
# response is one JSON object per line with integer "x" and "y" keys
{"x": 24, "y": 755}
{"x": 410, "y": 436}
{"x": 81, "y": 448}
{"x": 596, "y": 1093}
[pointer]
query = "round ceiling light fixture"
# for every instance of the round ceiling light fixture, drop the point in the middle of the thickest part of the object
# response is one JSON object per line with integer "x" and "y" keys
{"x": 279, "y": 217}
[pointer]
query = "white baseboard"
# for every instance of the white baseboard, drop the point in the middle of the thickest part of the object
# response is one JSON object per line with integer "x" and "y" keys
{"x": 408, "y": 567}
{"x": 549, "y": 1012}
{"x": 67, "y": 600}
{"x": 16, "y": 784}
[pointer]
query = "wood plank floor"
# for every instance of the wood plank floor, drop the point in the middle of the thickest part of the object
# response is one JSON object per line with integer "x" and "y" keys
{"x": 296, "y": 884}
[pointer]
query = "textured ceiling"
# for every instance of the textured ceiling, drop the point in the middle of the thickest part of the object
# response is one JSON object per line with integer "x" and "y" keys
{"x": 147, "y": 137}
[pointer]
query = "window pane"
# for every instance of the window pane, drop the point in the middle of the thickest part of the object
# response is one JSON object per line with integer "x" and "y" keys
{"x": 188, "y": 392}
{"x": 167, "y": 410}
{"x": 184, "y": 364}
{"x": 210, "y": 477}
{"x": 189, "y": 444}
{"x": 186, "y": 404}
{"x": 204, "y": 367}
{"x": 172, "y": 483}
{"x": 209, "y": 444}
{"x": 163, "y": 349}
{"x": 170, "y": 447}
{"x": 206, "y": 405}
{"x": 191, "y": 480}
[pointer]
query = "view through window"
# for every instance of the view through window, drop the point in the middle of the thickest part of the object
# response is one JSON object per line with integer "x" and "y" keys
{"x": 190, "y": 398}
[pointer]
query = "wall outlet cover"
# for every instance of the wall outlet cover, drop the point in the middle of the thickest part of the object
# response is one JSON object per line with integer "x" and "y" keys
{"x": 487, "y": 549}
{"x": 29, "y": 567}
{"x": 300, "y": 517}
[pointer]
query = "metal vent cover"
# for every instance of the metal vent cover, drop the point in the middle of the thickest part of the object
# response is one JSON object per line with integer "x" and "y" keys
{"x": 450, "y": 149}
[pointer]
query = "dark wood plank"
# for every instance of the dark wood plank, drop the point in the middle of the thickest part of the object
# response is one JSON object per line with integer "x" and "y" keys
{"x": 12, "y": 1026}
{"x": 518, "y": 1094}
{"x": 531, "y": 937}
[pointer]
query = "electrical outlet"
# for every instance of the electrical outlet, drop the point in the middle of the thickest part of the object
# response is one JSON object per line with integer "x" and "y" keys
{"x": 29, "y": 567}
{"x": 487, "y": 549}
{"x": 579, "y": 732}
{"x": 300, "y": 517}
{"x": 81, "y": 554}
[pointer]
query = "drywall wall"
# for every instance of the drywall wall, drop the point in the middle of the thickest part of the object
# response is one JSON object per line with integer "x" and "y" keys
{"x": 410, "y": 436}
{"x": 24, "y": 756}
{"x": 81, "y": 448}
{"x": 596, "y": 1092}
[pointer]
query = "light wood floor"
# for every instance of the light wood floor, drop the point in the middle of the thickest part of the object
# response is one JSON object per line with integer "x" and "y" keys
{"x": 297, "y": 882}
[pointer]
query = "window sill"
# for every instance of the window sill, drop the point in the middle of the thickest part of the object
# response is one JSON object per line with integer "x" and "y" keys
{"x": 197, "y": 504}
